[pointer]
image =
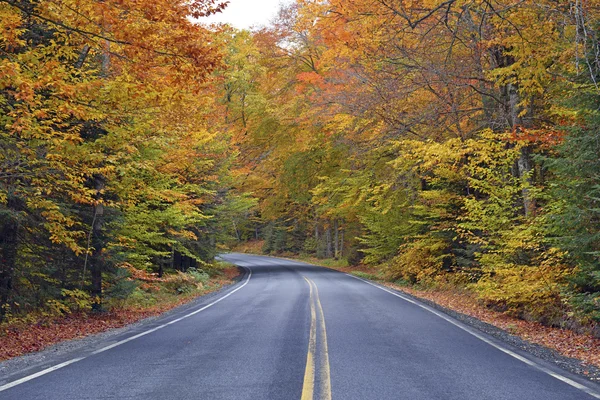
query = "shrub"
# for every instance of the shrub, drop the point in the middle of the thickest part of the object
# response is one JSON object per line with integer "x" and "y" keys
{"x": 199, "y": 275}
{"x": 181, "y": 283}
{"x": 420, "y": 261}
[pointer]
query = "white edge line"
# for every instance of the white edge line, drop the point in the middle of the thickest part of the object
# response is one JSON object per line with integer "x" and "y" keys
{"x": 74, "y": 360}
{"x": 511, "y": 353}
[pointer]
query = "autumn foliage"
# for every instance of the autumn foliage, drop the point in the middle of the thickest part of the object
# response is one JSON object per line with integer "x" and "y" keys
{"x": 445, "y": 142}
{"x": 109, "y": 160}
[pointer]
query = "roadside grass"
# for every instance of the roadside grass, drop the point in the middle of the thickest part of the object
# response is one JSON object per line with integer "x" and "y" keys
{"x": 365, "y": 275}
{"x": 151, "y": 296}
{"x": 251, "y": 247}
{"x": 325, "y": 262}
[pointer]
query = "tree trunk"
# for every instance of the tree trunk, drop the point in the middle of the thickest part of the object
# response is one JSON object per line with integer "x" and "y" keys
{"x": 336, "y": 239}
{"x": 98, "y": 245}
{"x": 342, "y": 242}
{"x": 82, "y": 56}
{"x": 512, "y": 99}
{"x": 237, "y": 232}
{"x": 177, "y": 260}
{"x": 525, "y": 168}
{"x": 8, "y": 254}
{"x": 524, "y": 163}
{"x": 185, "y": 263}
{"x": 328, "y": 242}
{"x": 96, "y": 261}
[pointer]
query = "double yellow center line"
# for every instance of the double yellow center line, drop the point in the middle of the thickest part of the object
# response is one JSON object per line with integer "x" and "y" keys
{"x": 317, "y": 349}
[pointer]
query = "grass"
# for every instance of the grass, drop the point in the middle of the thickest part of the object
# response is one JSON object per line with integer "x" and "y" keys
{"x": 366, "y": 275}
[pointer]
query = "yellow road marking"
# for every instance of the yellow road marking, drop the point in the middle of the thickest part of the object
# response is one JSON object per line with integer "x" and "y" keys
{"x": 325, "y": 372}
{"x": 323, "y": 365}
{"x": 308, "y": 387}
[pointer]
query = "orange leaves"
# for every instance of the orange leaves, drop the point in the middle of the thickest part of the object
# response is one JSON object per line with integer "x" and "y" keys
{"x": 207, "y": 7}
{"x": 310, "y": 77}
{"x": 142, "y": 36}
{"x": 545, "y": 138}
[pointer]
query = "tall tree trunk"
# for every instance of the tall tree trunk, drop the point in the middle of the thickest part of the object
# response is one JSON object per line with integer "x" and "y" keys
{"x": 8, "y": 253}
{"x": 336, "y": 239}
{"x": 177, "y": 261}
{"x": 342, "y": 241}
{"x": 172, "y": 258}
{"x": 513, "y": 110}
{"x": 524, "y": 163}
{"x": 96, "y": 262}
{"x": 328, "y": 252}
{"x": 525, "y": 168}
{"x": 185, "y": 264}
{"x": 237, "y": 232}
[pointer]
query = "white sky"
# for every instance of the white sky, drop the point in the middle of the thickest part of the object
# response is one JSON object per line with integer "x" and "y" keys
{"x": 244, "y": 14}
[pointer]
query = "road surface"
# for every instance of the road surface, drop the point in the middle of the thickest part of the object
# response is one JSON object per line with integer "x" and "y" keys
{"x": 290, "y": 330}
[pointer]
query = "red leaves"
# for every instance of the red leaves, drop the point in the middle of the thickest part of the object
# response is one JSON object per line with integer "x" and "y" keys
{"x": 545, "y": 138}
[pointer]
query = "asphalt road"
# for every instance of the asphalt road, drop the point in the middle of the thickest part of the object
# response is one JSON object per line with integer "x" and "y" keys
{"x": 290, "y": 330}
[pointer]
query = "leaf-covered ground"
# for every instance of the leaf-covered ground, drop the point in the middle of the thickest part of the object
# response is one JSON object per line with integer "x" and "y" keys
{"x": 20, "y": 338}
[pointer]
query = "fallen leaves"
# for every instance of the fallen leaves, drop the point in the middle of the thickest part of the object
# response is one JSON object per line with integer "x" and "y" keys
{"x": 22, "y": 338}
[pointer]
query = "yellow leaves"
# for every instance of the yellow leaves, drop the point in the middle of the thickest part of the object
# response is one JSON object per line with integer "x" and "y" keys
{"x": 534, "y": 288}
{"x": 418, "y": 262}
{"x": 11, "y": 29}
{"x": 61, "y": 227}
{"x": 435, "y": 161}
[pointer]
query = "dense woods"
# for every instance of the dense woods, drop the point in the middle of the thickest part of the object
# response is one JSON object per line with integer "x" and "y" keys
{"x": 447, "y": 142}
{"x": 108, "y": 159}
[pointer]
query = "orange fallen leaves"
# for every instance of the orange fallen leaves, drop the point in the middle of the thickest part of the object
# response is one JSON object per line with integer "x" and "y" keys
{"x": 21, "y": 338}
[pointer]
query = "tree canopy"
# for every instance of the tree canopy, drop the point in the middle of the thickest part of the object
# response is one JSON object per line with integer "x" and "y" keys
{"x": 445, "y": 141}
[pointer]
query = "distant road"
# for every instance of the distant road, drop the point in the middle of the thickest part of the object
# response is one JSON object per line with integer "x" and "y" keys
{"x": 290, "y": 330}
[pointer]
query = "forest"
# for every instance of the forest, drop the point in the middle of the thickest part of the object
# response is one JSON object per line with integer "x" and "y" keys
{"x": 442, "y": 142}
